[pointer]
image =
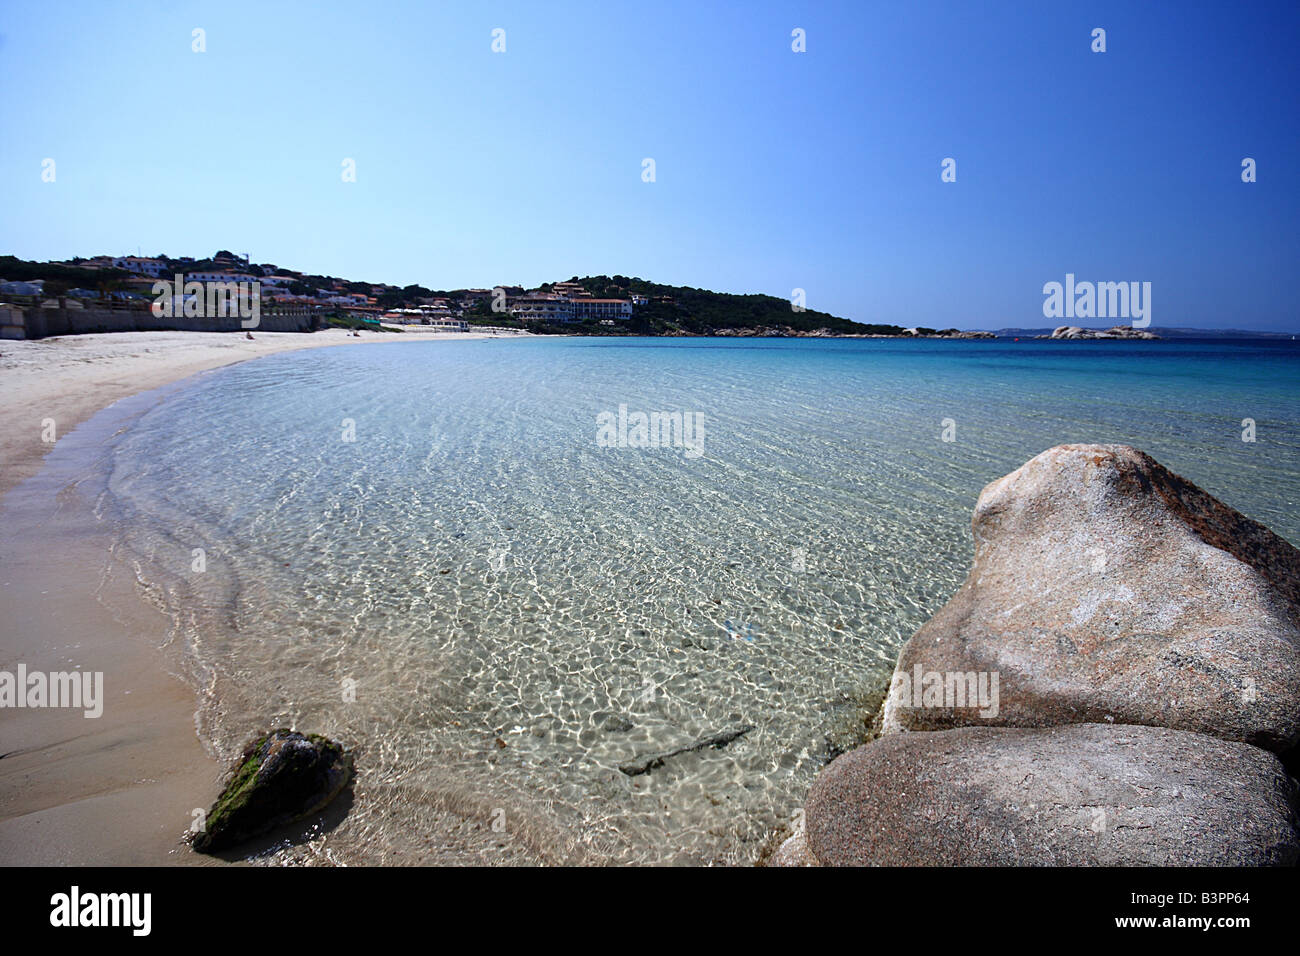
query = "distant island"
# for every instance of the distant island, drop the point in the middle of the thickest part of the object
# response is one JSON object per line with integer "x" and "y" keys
{"x": 1115, "y": 332}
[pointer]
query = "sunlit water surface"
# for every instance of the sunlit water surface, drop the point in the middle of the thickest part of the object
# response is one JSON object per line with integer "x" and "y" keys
{"x": 422, "y": 549}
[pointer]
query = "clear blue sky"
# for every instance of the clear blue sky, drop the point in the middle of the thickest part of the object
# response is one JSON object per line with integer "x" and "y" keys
{"x": 775, "y": 169}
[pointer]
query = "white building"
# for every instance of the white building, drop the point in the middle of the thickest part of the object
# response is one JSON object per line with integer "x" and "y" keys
{"x": 140, "y": 265}
{"x": 221, "y": 277}
{"x": 602, "y": 308}
{"x": 34, "y": 287}
{"x": 448, "y": 323}
{"x": 543, "y": 308}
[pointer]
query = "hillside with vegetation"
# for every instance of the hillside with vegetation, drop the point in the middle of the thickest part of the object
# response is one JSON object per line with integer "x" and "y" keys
{"x": 59, "y": 277}
{"x": 669, "y": 310}
{"x": 683, "y": 310}
{"x": 703, "y": 312}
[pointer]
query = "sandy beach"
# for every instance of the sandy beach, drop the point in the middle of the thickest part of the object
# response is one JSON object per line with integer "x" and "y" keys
{"x": 69, "y": 378}
{"x": 121, "y": 788}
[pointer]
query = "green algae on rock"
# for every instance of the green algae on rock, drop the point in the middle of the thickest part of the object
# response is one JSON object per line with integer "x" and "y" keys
{"x": 282, "y": 777}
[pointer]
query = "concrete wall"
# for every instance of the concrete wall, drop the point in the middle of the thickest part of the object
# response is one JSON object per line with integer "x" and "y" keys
{"x": 37, "y": 323}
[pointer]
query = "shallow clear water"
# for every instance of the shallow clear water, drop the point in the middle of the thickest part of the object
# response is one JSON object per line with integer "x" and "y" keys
{"x": 522, "y": 610}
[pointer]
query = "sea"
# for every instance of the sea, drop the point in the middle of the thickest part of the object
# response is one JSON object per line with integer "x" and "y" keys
{"x": 507, "y": 572}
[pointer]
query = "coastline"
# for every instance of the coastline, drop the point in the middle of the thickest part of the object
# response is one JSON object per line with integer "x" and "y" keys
{"x": 122, "y": 789}
{"x": 119, "y": 789}
{"x": 69, "y": 378}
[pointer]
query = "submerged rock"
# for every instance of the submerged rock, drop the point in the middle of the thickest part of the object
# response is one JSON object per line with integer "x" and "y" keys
{"x": 282, "y": 777}
{"x": 1088, "y": 794}
{"x": 617, "y": 724}
{"x": 1106, "y": 588}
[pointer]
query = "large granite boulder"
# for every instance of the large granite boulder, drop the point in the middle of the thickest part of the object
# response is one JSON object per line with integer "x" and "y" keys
{"x": 281, "y": 777}
{"x": 1106, "y": 588}
{"x": 793, "y": 850}
{"x": 1088, "y": 794}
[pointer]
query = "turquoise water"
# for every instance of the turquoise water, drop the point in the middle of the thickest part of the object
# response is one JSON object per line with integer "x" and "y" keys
{"x": 523, "y": 609}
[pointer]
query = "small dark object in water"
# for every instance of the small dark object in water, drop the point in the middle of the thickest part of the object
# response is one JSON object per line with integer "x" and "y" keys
{"x": 651, "y": 761}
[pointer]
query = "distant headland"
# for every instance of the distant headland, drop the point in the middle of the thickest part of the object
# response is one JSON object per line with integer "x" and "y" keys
{"x": 592, "y": 305}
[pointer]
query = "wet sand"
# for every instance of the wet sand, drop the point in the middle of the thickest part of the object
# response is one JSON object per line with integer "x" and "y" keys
{"x": 120, "y": 788}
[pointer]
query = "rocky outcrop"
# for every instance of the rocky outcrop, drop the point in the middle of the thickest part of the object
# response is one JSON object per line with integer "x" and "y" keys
{"x": 1115, "y": 332}
{"x": 1106, "y": 588}
{"x": 282, "y": 777}
{"x": 1088, "y": 794}
{"x": 921, "y": 333}
{"x": 1105, "y": 688}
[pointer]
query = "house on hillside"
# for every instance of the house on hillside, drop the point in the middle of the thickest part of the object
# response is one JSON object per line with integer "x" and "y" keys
{"x": 33, "y": 287}
{"x": 140, "y": 265}
{"x": 602, "y": 308}
{"x": 543, "y": 308}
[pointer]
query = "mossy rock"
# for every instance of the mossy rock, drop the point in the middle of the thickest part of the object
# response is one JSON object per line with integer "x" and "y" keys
{"x": 282, "y": 777}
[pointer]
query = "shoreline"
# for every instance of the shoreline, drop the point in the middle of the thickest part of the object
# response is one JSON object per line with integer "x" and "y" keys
{"x": 119, "y": 789}
{"x": 122, "y": 789}
{"x": 69, "y": 378}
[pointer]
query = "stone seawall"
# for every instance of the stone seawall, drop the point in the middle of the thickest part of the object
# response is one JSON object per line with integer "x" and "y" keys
{"x": 39, "y": 323}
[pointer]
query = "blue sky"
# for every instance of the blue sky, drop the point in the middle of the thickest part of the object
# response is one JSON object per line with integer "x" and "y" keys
{"x": 774, "y": 169}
